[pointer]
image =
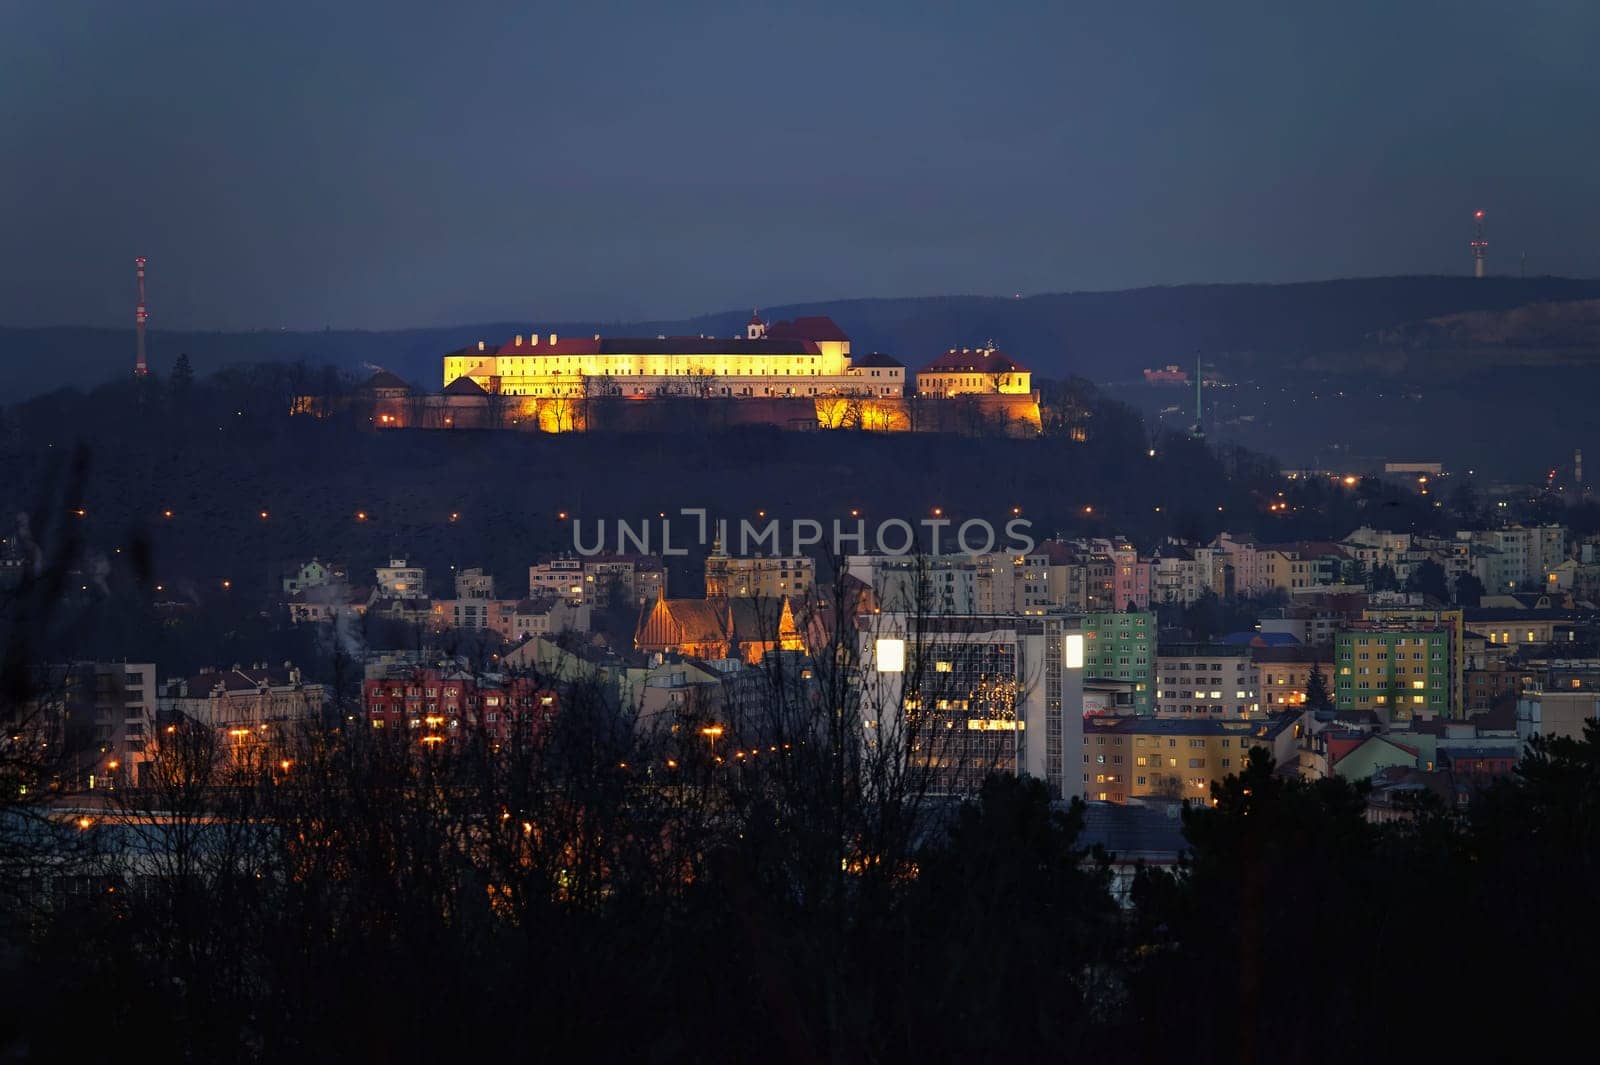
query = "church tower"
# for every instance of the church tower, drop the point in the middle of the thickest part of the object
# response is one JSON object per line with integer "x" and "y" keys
{"x": 757, "y": 329}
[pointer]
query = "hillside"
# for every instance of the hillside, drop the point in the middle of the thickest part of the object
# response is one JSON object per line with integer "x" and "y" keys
{"x": 1100, "y": 335}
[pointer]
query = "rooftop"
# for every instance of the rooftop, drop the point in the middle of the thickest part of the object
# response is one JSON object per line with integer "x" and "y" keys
{"x": 973, "y": 360}
{"x": 878, "y": 359}
{"x": 1165, "y": 726}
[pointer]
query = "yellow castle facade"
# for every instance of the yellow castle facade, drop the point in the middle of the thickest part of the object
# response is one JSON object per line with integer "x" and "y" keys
{"x": 804, "y": 358}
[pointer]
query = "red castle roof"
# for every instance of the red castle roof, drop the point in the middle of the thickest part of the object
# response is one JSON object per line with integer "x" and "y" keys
{"x": 980, "y": 360}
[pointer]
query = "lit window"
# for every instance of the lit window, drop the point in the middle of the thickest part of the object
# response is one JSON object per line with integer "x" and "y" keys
{"x": 891, "y": 656}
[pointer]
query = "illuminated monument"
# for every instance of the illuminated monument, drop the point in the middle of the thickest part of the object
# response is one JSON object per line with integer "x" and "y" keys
{"x": 793, "y": 375}
{"x": 804, "y": 358}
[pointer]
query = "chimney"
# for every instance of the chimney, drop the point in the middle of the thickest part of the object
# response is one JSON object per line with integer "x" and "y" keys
{"x": 480, "y": 345}
{"x": 534, "y": 339}
{"x": 552, "y": 338}
{"x": 519, "y": 340}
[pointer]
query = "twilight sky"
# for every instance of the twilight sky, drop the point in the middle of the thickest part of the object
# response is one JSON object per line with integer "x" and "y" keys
{"x": 385, "y": 163}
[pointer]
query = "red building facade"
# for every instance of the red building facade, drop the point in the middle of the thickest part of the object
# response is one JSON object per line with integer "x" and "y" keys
{"x": 441, "y": 707}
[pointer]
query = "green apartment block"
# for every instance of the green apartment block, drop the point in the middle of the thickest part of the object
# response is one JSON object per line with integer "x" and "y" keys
{"x": 1400, "y": 670}
{"x": 1123, "y": 647}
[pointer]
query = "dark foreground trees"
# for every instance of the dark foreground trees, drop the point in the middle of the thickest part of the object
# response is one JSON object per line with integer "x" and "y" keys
{"x": 599, "y": 891}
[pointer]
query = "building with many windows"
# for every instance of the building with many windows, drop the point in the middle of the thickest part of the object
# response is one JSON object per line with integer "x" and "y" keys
{"x": 985, "y": 370}
{"x": 1164, "y": 758}
{"x": 1450, "y": 618}
{"x": 759, "y": 577}
{"x": 256, "y": 711}
{"x": 1395, "y": 669}
{"x": 960, "y": 697}
{"x": 805, "y": 357}
{"x": 1206, "y": 680}
{"x": 433, "y": 706}
{"x": 400, "y": 580}
{"x": 598, "y": 579}
{"x": 1283, "y": 673}
{"x": 1122, "y": 646}
{"x": 100, "y": 712}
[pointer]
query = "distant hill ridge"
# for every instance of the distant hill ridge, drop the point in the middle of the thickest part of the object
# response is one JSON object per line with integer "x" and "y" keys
{"x": 1100, "y": 335}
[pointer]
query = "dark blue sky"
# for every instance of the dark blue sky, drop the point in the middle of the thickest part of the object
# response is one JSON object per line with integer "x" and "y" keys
{"x": 383, "y": 163}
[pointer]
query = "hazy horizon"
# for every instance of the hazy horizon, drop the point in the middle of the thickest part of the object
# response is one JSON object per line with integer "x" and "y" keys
{"x": 558, "y": 319}
{"x": 371, "y": 165}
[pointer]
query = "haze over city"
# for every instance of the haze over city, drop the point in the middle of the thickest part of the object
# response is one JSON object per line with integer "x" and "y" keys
{"x": 381, "y": 165}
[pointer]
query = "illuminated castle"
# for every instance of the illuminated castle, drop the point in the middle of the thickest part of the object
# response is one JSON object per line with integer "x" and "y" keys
{"x": 808, "y": 357}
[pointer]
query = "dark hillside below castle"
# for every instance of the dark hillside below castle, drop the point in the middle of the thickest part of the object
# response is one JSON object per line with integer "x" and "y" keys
{"x": 1104, "y": 336}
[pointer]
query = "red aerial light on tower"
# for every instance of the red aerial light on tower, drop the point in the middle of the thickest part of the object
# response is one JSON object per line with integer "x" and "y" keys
{"x": 141, "y": 368}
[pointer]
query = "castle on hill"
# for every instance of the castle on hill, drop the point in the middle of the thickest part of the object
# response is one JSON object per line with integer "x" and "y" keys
{"x": 796, "y": 374}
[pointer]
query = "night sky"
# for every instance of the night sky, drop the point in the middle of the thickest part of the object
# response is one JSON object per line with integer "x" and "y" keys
{"x": 385, "y": 163}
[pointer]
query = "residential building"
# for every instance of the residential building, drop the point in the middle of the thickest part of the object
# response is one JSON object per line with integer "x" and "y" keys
{"x": 255, "y": 710}
{"x": 1397, "y": 669}
{"x": 1550, "y": 711}
{"x": 758, "y": 577}
{"x": 1517, "y": 629}
{"x": 1358, "y": 755}
{"x": 402, "y": 609}
{"x": 1128, "y": 758}
{"x": 401, "y": 580}
{"x": 1312, "y": 625}
{"x": 1074, "y": 576}
{"x": 1487, "y": 686}
{"x": 599, "y": 580}
{"x": 1283, "y": 673}
{"x": 1206, "y": 681}
{"x": 471, "y": 615}
{"x": 1053, "y": 577}
{"x": 314, "y": 574}
{"x": 542, "y": 617}
{"x": 1450, "y": 618}
{"x": 1293, "y": 567}
{"x": 1182, "y": 574}
{"x": 1521, "y": 558}
{"x": 439, "y": 706}
{"x": 328, "y": 602}
{"x": 474, "y": 584}
{"x": 1122, "y": 647}
{"x": 563, "y": 577}
{"x": 103, "y": 711}
{"x": 934, "y": 584}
